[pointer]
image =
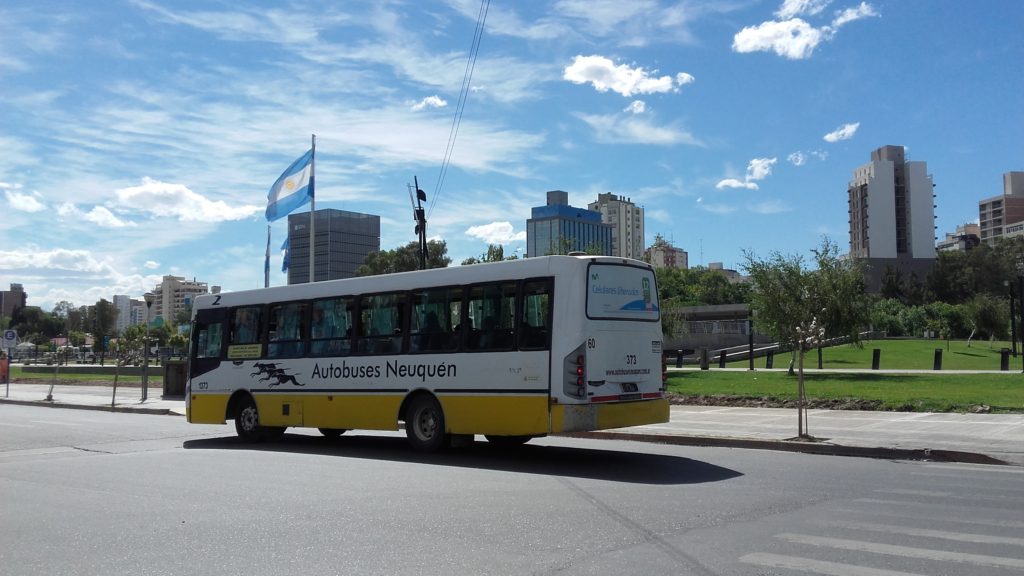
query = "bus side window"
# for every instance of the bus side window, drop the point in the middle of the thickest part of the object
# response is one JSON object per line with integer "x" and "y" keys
{"x": 208, "y": 340}
{"x": 331, "y": 327}
{"x": 245, "y": 325}
{"x": 535, "y": 322}
{"x": 435, "y": 314}
{"x": 286, "y": 330}
{"x": 380, "y": 323}
{"x": 492, "y": 316}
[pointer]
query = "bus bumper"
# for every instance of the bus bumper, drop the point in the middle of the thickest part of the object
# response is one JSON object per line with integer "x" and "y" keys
{"x": 604, "y": 416}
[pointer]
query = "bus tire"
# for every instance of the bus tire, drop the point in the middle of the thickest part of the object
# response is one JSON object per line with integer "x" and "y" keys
{"x": 424, "y": 424}
{"x": 332, "y": 432}
{"x": 507, "y": 441}
{"x": 247, "y": 421}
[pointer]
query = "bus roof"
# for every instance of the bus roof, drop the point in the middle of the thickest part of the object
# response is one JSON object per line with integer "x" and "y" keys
{"x": 455, "y": 275}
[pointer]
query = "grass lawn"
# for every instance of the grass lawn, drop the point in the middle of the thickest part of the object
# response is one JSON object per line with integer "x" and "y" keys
{"x": 916, "y": 354}
{"x": 935, "y": 392}
{"x": 156, "y": 376}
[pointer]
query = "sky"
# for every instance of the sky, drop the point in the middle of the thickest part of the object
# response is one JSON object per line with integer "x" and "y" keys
{"x": 140, "y": 138}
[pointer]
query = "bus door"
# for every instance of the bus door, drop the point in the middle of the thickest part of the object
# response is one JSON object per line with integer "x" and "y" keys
{"x": 207, "y": 346}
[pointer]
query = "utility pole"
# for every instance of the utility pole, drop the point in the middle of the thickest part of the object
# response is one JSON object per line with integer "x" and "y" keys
{"x": 419, "y": 215}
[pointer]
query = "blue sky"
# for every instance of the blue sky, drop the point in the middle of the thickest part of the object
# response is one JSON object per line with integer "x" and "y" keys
{"x": 140, "y": 137}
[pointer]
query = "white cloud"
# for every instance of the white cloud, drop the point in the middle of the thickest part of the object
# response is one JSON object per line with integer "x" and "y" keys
{"x": 757, "y": 169}
{"x": 793, "y": 39}
{"x": 431, "y": 102}
{"x": 496, "y": 233}
{"x": 151, "y": 265}
{"x": 797, "y": 158}
{"x": 615, "y": 129}
{"x": 22, "y": 202}
{"x": 791, "y": 8}
{"x": 604, "y": 75}
{"x": 99, "y": 215}
{"x": 734, "y": 183}
{"x": 177, "y": 201}
{"x": 760, "y": 168}
{"x": 636, "y": 107}
{"x": 850, "y": 14}
{"x": 844, "y": 132}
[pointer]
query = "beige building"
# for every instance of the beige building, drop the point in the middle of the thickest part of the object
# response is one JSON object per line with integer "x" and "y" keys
{"x": 966, "y": 237}
{"x": 1002, "y": 215}
{"x": 173, "y": 295}
{"x": 627, "y": 222}
{"x": 662, "y": 254}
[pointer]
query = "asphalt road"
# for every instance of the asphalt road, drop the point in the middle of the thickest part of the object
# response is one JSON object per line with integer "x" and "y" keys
{"x": 85, "y": 492}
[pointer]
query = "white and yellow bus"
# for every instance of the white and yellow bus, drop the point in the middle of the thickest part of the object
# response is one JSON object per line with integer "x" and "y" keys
{"x": 510, "y": 350}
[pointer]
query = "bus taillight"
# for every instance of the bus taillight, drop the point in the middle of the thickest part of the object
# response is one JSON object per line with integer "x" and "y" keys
{"x": 575, "y": 383}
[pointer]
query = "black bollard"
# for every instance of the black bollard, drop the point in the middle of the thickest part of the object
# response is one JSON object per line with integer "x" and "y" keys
{"x": 679, "y": 358}
{"x": 1004, "y": 359}
{"x": 769, "y": 360}
{"x": 703, "y": 358}
{"x": 721, "y": 359}
{"x": 876, "y": 357}
{"x": 938, "y": 359}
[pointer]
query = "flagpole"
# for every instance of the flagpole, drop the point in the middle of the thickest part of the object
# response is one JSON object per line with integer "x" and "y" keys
{"x": 266, "y": 264}
{"x": 312, "y": 210}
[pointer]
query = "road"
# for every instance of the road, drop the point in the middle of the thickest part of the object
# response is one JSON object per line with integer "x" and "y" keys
{"x": 87, "y": 492}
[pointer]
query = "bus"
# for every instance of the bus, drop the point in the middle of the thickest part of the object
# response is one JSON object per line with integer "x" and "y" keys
{"x": 509, "y": 350}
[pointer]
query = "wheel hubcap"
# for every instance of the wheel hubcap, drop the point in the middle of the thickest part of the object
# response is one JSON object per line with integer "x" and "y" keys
{"x": 248, "y": 418}
{"x": 427, "y": 424}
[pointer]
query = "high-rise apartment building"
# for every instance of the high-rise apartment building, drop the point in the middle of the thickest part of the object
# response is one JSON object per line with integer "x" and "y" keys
{"x": 173, "y": 295}
{"x": 12, "y": 299}
{"x": 627, "y": 222}
{"x": 123, "y": 306}
{"x": 662, "y": 254}
{"x": 967, "y": 237}
{"x": 342, "y": 241}
{"x": 892, "y": 215}
{"x": 1003, "y": 215}
{"x": 558, "y": 228}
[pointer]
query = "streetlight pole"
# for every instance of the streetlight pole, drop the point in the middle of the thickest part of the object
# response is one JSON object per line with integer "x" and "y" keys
{"x": 1020, "y": 287}
{"x": 149, "y": 296}
{"x": 1013, "y": 317}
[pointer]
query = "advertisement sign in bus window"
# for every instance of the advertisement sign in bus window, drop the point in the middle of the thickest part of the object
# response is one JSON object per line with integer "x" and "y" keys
{"x": 621, "y": 293}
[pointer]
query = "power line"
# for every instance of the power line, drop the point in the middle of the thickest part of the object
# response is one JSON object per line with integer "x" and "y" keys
{"x": 467, "y": 78}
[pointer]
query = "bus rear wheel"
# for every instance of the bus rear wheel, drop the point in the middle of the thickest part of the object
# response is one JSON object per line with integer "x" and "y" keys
{"x": 424, "y": 425}
{"x": 507, "y": 441}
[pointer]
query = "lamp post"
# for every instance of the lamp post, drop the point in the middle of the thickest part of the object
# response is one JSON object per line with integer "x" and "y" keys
{"x": 1020, "y": 295}
{"x": 1013, "y": 317}
{"x": 150, "y": 297}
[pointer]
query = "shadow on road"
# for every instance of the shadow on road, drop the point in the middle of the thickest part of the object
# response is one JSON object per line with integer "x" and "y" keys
{"x": 597, "y": 464}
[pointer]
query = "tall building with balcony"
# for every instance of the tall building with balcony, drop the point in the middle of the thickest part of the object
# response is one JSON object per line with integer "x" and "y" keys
{"x": 967, "y": 237}
{"x": 174, "y": 295}
{"x": 342, "y": 241}
{"x": 627, "y": 222}
{"x": 1003, "y": 215}
{"x": 558, "y": 228}
{"x": 892, "y": 215}
{"x": 662, "y": 254}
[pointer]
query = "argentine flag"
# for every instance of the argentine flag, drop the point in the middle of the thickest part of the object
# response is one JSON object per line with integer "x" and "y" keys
{"x": 293, "y": 189}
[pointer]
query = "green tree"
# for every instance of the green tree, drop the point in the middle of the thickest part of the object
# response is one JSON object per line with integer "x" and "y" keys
{"x": 405, "y": 259}
{"x": 495, "y": 253}
{"x": 990, "y": 316}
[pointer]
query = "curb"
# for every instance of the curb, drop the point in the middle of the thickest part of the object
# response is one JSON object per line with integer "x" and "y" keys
{"x": 922, "y": 454}
{"x": 53, "y": 404}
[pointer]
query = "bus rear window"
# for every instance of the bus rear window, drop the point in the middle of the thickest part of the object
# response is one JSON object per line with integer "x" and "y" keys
{"x": 621, "y": 292}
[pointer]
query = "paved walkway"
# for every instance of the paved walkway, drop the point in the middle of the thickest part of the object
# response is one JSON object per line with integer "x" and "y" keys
{"x": 980, "y": 438}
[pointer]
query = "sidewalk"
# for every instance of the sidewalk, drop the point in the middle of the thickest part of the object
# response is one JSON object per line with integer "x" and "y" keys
{"x": 951, "y": 437}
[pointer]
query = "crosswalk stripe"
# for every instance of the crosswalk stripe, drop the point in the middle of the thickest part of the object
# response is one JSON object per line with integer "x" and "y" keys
{"x": 817, "y": 566}
{"x": 932, "y": 518}
{"x": 904, "y": 551}
{"x": 927, "y": 533}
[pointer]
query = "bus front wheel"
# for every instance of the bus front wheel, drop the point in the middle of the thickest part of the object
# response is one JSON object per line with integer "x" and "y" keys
{"x": 247, "y": 423}
{"x": 424, "y": 425}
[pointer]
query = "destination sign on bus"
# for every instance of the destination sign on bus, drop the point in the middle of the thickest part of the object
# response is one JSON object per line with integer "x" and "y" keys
{"x": 622, "y": 293}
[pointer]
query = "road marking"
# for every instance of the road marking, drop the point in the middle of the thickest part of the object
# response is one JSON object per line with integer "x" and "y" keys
{"x": 818, "y": 566}
{"x": 916, "y": 493}
{"x": 932, "y": 518}
{"x": 16, "y": 425}
{"x": 928, "y": 533}
{"x": 974, "y": 468}
{"x": 37, "y": 451}
{"x": 904, "y": 551}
